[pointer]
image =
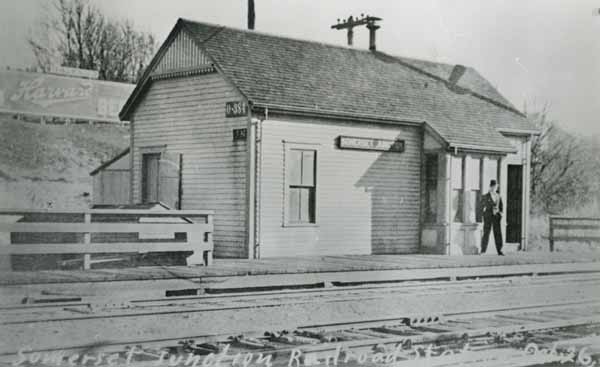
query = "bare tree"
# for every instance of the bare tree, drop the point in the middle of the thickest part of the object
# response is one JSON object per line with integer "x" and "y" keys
{"x": 76, "y": 34}
{"x": 563, "y": 167}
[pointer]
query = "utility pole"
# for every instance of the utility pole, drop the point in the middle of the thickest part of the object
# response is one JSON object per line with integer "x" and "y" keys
{"x": 352, "y": 22}
{"x": 251, "y": 14}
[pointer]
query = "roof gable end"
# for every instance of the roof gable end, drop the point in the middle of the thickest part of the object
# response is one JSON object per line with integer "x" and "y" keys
{"x": 179, "y": 55}
{"x": 182, "y": 53}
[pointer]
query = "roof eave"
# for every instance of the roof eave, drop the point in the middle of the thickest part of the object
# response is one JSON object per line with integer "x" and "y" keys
{"x": 519, "y": 131}
{"x": 482, "y": 148}
{"x": 332, "y": 114}
{"x": 110, "y": 161}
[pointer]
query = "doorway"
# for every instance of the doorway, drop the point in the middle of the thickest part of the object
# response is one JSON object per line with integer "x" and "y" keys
{"x": 150, "y": 176}
{"x": 514, "y": 203}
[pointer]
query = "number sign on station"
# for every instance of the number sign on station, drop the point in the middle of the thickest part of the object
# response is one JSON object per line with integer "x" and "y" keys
{"x": 240, "y": 134}
{"x": 236, "y": 109}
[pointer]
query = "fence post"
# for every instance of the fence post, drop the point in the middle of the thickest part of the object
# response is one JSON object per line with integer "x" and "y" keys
{"x": 208, "y": 255}
{"x": 87, "y": 239}
{"x": 5, "y": 242}
{"x": 551, "y": 234}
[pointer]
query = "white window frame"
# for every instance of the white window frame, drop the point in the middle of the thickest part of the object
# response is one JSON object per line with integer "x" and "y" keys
{"x": 287, "y": 147}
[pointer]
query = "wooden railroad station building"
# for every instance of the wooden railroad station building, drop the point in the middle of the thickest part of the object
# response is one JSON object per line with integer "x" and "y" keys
{"x": 305, "y": 148}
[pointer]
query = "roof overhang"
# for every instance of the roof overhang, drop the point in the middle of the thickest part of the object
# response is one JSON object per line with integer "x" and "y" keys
{"x": 109, "y": 162}
{"x": 331, "y": 114}
{"x": 472, "y": 148}
{"x": 518, "y": 131}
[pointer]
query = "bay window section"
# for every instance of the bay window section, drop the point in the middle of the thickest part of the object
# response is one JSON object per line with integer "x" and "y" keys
{"x": 457, "y": 200}
{"x": 473, "y": 199}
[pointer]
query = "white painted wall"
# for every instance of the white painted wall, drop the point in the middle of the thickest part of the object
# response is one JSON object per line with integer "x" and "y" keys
{"x": 367, "y": 202}
{"x": 187, "y": 116}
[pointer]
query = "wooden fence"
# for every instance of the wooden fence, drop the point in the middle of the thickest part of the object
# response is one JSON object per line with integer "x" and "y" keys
{"x": 573, "y": 229}
{"x": 106, "y": 231}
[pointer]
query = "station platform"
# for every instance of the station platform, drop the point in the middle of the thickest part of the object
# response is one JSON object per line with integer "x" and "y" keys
{"x": 362, "y": 266}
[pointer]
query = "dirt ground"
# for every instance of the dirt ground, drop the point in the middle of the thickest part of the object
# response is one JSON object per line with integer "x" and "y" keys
{"x": 48, "y": 166}
{"x": 228, "y": 318}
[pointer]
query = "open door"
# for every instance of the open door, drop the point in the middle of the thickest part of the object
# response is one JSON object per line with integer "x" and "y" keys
{"x": 150, "y": 177}
{"x": 169, "y": 187}
{"x": 514, "y": 203}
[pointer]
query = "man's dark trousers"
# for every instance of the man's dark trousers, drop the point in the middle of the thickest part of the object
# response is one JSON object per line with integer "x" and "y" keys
{"x": 492, "y": 221}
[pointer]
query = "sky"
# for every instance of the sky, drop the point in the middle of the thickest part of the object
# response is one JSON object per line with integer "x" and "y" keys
{"x": 535, "y": 52}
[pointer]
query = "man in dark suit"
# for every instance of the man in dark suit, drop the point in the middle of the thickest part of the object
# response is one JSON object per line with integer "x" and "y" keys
{"x": 491, "y": 204}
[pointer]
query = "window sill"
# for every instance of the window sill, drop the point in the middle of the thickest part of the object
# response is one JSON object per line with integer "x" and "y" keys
{"x": 300, "y": 225}
{"x": 468, "y": 225}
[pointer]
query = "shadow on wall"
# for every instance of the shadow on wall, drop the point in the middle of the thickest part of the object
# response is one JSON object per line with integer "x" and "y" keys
{"x": 393, "y": 182}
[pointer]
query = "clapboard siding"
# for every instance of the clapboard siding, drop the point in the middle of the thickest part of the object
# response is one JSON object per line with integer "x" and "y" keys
{"x": 188, "y": 116}
{"x": 367, "y": 202}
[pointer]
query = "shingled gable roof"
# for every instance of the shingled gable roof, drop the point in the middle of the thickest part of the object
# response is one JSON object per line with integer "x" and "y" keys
{"x": 274, "y": 71}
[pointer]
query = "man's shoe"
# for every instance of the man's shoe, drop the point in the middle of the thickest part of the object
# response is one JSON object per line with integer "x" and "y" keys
{"x": 500, "y": 254}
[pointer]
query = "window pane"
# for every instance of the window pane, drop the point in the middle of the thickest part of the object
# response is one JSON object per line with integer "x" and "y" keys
{"x": 473, "y": 173}
{"x": 308, "y": 167}
{"x": 294, "y": 163}
{"x": 457, "y": 206}
{"x": 472, "y": 205}
{"x": 478, "y": 207}
{"x": 457, "y": 173}
{"x": 431, "y": 167}
{"x": 490, "y": 172}
{"x": 311, "y": 205}
{"x": 431, "y": 206}
{"x": 304, "y": 205}
{"x": 294, "y": 210}
{"x": 431, "y": 173}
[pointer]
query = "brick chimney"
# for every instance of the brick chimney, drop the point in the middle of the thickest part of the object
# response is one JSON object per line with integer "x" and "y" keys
{"x": 457, "y": 72}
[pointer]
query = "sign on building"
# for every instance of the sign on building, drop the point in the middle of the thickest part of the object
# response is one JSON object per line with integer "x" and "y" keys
{"x": 59, "y": 96}
{"x": 240, "y": 134}
{"x": 373, "y": 144}
{"x": 236, "y": 109}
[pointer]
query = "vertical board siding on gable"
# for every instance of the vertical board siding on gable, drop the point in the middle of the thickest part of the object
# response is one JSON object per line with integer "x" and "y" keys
{"x": 188, "y": 116}
{"x": 182, "y": 53}
{"x": 367, "y": 202}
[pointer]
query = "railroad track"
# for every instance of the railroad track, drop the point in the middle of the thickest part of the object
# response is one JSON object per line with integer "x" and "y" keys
{"x": 507, "y": 337}
{"x": 81, "y": 308}
{"x": 478, "y": 334}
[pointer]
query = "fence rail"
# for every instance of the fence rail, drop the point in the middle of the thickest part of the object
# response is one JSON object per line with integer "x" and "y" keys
{"x": 587, "y": 229}
{"x": 94, "y": 231}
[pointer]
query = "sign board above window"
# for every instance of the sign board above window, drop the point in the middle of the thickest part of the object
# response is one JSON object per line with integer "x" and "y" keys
{"x": 236, "y": 109}
{"x": 372, "y": 144}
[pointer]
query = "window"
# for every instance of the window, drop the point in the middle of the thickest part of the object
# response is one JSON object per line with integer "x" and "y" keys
{"x": 431, "y": 177}
{"x": 490, "y": 171}
{"x": 150, "y": 177}
{"x": 301, "y": 168}
{"x": 457, "y": 189}
{"x": 473, "y": 174}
